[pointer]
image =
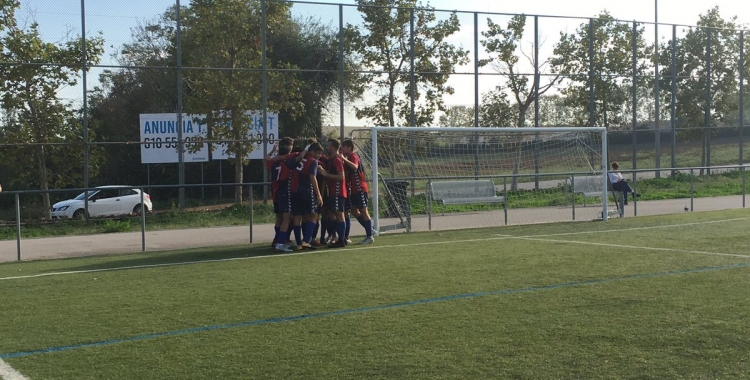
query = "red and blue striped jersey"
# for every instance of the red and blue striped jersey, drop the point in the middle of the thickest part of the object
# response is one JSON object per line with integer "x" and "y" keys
{"x": 302, "y": 172}
{"x": 356, "y": 178}
{"x": 335, "y": 187}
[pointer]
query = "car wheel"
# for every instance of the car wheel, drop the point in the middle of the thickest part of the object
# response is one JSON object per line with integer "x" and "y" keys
{"x": 79, "y": 214}
{"x": 137, "y": 209}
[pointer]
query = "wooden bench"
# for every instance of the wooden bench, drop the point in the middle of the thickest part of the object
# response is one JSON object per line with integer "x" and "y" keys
{"x": 591, "y": 186}
{"x": 464, "y": 192}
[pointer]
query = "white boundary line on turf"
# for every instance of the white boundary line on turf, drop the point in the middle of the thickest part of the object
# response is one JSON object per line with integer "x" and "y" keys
{"x": 368, "y": 247}
{"x": 8, "y": 373}
{"x": 630, "y": 246}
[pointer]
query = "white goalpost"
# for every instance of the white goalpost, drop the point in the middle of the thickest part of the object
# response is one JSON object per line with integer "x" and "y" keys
{"x": 427, "y": 178}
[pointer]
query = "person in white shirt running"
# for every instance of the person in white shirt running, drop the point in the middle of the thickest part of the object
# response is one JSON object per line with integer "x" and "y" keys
{"x": 620, "y": 184}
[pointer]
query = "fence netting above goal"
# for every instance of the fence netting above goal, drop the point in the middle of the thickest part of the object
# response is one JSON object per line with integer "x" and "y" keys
{"x": 443, "y": 178}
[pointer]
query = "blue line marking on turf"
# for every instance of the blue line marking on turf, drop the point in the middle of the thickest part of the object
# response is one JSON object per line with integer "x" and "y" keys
{"x": 365, "y": 309}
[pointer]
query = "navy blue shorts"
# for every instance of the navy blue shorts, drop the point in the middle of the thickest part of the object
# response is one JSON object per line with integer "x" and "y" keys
{"x": 326, "y": 200}
{"x": 359, "y": 200}
{"x": 283, "y": 203}
{"x": 304, "y": 202}
{"x": 336, "y": 203}
{"x": 297, "y": 208}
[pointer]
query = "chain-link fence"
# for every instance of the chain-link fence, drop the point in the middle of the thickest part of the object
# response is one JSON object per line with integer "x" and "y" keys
{"x": 163, "y": 92}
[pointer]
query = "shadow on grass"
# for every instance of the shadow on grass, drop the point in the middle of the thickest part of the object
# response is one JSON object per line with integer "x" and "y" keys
{"x": 179, "y": 257}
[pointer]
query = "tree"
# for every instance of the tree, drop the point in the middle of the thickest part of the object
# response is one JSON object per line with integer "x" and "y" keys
{"x": 386, "y": 48}
{"x": 501, "y": 44}
{"x": 37, "y": 118}
{"x": 553, "y": 112}
{"x": 226, "y": 35}
{"x": 495, "y": 109}
{"x": 692, "y": 72}
{"x": 457, "y": 116}
{"x": 293, "y": 43}
{"x": 125, "y": 94}
{"x": 613, "y": 69}
{"x": 314, "y": 48}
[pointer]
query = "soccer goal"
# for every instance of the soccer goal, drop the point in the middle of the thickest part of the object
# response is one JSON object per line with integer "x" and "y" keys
{"x": 447, "y": 178}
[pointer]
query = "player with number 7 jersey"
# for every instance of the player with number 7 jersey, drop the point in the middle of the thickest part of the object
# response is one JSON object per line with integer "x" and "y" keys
{"x": 281, "y": 168}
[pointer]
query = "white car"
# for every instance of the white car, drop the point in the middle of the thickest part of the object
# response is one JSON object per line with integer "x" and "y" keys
{"x": 104, "y": 201}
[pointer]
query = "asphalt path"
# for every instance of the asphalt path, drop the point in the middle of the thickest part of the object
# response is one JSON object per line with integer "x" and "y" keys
{"x": 116, "y": 243}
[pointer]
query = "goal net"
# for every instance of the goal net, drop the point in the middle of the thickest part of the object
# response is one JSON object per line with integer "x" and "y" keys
{"x": 447, "y": 178}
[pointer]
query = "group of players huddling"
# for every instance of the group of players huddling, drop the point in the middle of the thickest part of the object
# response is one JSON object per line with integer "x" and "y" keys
{"x": 313, "y": 191}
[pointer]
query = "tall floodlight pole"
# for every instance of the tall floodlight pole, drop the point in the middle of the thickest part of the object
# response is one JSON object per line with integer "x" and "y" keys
{"x": 341, "y": 75}
{"x": 742, "y": 93}
{"x": 180, "y": 140}
{"x": 673, "y": 91}
{"x": 412, "y": 94}
{"x": 657, "y": 113}
{"x": 264, "y": 69}
{"x": 84, "y": 67}
{"x": 634, "y": 47}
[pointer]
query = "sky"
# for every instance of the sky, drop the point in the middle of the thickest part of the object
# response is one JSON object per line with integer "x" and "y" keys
{"x": 114, "y": 19}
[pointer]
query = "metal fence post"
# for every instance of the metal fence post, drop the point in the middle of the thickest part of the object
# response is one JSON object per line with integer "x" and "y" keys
{"x": 635, "y": 95}
{"x": 505, "y": 194}
{"x": 691, "y": 190}
{"x": 264, "y": 68}
{"x": 428, "y": 201}
{"x": 341, "y": 72}
{"x": 573, "y": 194}
{"x": 592, "y": 99}
{"x": 744, "y": 180}
{"x": 84, "y": 76}
{"x": 672, "y": 107}
{"x": 412, "y": 94}
{"x": 143, "y": 223}
{"x": 18, "y": 226}
{"x": 708, "y": 102}
{"x": 657, "y": 110}
{"x": 742, "y": 95}
{"x": 476, "y": 70}
{"x": 180, "y": 143}
{"x": 252, "y": 203}
{"x": 536, "y": 101}
{"x": 635, "y": 191}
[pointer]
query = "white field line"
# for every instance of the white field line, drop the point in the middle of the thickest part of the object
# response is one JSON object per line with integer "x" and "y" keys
{"x": 640, "y": 228}
{"x": 368, "y": 247}
{"x": 630, "y": 247}
{"x": 8, "y": 373}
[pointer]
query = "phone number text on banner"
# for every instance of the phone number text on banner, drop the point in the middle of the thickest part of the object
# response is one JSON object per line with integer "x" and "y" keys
{"x": 159, "y": 141}
{"x": 255, "y": 134}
